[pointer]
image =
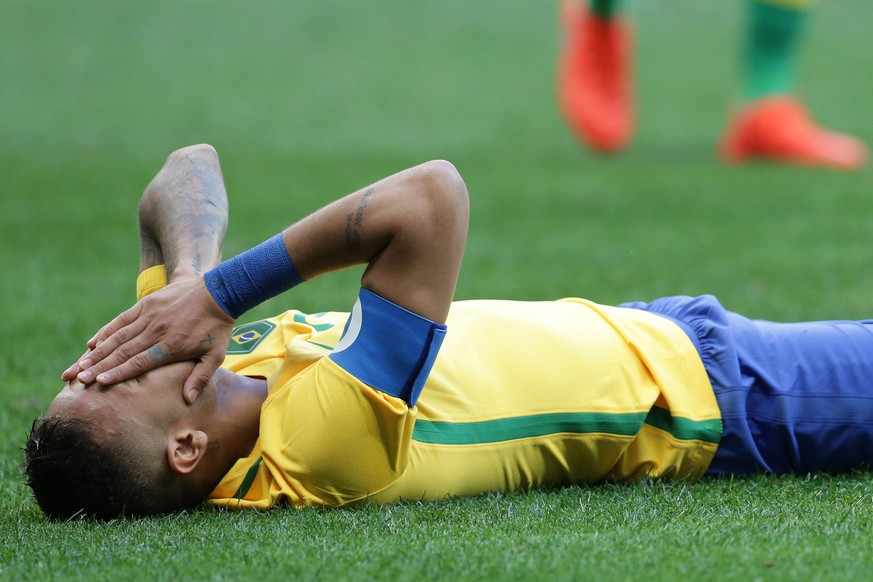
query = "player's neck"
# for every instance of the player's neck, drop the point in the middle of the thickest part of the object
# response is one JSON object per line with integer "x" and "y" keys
{"x": 238, "y": 412}
{"x": 230, "y": 415}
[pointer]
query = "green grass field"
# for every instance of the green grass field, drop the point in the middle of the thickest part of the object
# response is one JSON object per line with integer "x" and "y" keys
{"x": 308, "y": 100}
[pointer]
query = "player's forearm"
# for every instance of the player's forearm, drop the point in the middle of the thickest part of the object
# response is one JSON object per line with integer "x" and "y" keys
{"x": 410, "y": 230}
{"x": 183, "y": 214}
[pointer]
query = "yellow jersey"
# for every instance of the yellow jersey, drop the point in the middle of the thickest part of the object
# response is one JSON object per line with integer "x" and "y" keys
{"x": 521, "y": 395}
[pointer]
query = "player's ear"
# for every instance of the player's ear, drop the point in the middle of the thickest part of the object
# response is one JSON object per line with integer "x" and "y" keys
{"x": 185, "y": 449}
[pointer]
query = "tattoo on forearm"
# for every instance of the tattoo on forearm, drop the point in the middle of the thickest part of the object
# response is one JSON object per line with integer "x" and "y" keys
{"x": 355, "y": 221}
{"x": 190, "y": 217}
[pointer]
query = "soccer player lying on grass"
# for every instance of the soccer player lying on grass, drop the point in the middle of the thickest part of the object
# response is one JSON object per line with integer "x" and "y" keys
{"x": 384, "y": 404}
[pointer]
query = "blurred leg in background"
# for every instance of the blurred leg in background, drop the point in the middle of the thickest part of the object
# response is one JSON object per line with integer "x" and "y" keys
{"x": 595, "y": 75}
{"x": 771, "y": 121}
{"x": 597, "y": 97}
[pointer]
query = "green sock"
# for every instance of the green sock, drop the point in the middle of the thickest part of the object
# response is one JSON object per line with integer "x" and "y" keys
{"x": 772, "y": 41}
{"x": 604, "y": 8}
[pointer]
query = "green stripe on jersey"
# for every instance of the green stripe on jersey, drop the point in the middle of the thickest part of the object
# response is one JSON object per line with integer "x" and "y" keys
{"x": 685, "y": 429}
{"x": 519, "y": 427}
{"x": 248, "y": 480}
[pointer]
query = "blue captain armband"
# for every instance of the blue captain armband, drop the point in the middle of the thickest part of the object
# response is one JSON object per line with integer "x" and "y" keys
{"x": 252, "y": 277}
{"x": 388, "y": 348}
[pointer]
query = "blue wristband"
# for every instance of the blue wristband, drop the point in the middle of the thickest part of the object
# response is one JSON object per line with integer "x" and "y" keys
{"x": 252, "y": 277}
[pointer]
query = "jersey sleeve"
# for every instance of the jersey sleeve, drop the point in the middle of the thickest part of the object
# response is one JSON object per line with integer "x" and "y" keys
{"x": 341, "y": 430}
{"x": 387, "y": 347}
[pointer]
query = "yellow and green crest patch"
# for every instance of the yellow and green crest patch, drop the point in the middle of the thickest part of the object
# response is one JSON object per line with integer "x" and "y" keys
{"x": 245, "y": 338}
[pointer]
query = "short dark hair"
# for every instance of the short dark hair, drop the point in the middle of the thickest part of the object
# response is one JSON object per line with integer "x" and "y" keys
{"x": 72, "y": 474}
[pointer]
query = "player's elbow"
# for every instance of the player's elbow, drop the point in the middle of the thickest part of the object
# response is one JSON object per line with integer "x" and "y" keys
{"x": 444, "y": 197}
{"x": 442, "y": 176}
{"x": 199, "y": 150}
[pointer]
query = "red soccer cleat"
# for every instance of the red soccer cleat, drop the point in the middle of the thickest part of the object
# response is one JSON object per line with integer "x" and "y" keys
{"x": 595, "y": 78}
{"x": 781, "y": 129}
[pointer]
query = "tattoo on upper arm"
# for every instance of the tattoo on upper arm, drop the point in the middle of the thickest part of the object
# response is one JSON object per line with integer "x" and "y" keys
{"x": 355, "y": 221}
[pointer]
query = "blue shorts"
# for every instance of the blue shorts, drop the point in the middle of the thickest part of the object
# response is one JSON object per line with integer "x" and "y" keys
{"x": 794, "y": 397}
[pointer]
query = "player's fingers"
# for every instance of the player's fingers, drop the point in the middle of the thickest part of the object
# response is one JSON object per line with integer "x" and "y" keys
{"x": 128, "y": 361}
{"x": 122, "y": 320}
{"x": 70, "y": 373}
{"x": 92, "y": 343}
{"x": 199, "y": 378}
{"x": 120, "y": 345}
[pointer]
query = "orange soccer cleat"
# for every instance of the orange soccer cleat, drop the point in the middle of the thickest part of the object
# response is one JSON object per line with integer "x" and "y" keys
{"x": 781, "y": 129}
{"x": 595, "y": 78}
